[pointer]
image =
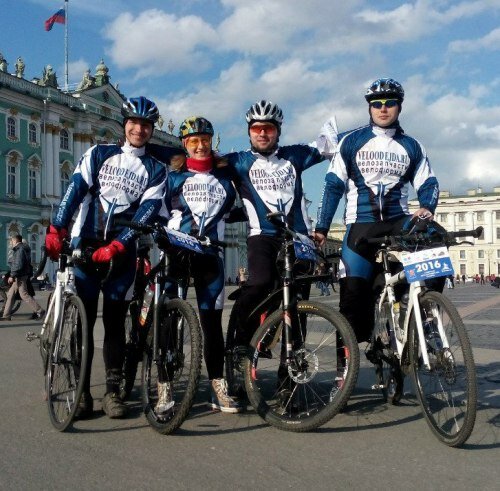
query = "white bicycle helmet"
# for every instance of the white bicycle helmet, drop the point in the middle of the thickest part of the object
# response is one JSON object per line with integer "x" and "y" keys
{"x": 265, "y": 111}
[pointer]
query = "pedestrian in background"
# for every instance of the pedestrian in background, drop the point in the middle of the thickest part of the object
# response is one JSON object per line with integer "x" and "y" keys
{"x": 20, "y": 272}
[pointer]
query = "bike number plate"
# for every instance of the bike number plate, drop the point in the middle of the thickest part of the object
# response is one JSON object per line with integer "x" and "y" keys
{"x": 304, "y": 247}
{"x": 426, "y": 264}
{"x": 180, "y": 239}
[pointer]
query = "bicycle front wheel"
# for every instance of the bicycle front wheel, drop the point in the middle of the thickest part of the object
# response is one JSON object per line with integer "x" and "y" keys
{"x": 67, "y": 364}
{"x": 302, "y": 393}
{"x": 447, "y": 390}
{"x": 173, "y": 373}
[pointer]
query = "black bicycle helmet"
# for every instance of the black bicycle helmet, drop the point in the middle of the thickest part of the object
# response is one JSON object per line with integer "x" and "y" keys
{"x": 384, "y": 88}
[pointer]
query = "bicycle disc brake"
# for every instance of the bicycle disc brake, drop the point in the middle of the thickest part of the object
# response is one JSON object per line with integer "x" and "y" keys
{"x": 305, "y": 366}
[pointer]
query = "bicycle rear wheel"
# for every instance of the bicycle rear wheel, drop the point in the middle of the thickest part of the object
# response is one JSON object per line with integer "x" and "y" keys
{"x": 178, "y": 363}
{"x": 303, "y": 393}
{"x": 388, "y": 374}
{"x": 447, "y": 391}
{"x": 67, "y": 364}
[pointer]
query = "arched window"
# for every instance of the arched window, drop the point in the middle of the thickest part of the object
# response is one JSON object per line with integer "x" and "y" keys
{"x": 34, "y": 248}
{"x": 34, "y": 184}
{"x": 64, "y": 137}
{"x": 12, "y": 179}
{"x": 66, "y": 172}
{"x": 32, "y": 133}
{"x": 11, "y": 128}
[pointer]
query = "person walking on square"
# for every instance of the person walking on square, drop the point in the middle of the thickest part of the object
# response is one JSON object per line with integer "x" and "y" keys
{"x": 20, "y": 271}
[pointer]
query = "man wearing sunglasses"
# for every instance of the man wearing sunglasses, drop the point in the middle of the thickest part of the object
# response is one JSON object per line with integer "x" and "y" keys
{"x": 373, "y": 168}
{"x": 269, "y": 179}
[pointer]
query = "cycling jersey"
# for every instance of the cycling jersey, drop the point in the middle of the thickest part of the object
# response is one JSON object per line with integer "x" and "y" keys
{"x": 198, "y": 201}
{"x": 274, "y": 183}
{"x": 112, "y": 181}
{"x": 374, "y": 167}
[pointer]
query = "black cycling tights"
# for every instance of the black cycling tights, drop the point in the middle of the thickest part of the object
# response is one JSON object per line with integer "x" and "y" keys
{"x": 113, "y": 317}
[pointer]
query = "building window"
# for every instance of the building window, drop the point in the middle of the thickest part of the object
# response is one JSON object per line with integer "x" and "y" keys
{"x": 498, "y": 253}
{"x": 462, "y": 269}
{"x": 497, "y": 215}
{"x": 32, "y": 191}
{"x": 481, "y": 268}
{"x": 65, "y": 177}
{"x": 480, "y": 254}
{"x": 11, "y": 179}
{"x": 64, "y": 137}
{"x": 461, "y": 217}
{"x": 498, "y": 233}
{"x": 32, "y": 133}
{"x": 480, "y": 216}
{"x": 462, "y": 254}
{"x": 34, "y": 247}
{"x": 11, "y": 128}
{"x": 442, "y": 217}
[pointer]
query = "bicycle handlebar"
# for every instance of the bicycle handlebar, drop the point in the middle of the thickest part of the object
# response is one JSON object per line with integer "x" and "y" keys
{"x": 160, "y": 230}
{"x": 420, "y": 238}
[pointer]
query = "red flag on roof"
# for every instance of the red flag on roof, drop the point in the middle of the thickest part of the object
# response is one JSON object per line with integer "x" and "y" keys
{"x": 59, "y": 17}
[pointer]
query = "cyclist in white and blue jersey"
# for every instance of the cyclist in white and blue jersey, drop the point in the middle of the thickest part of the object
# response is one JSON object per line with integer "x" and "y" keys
{"x": 269, "y": 179}
{"x": 373, "y": 167}
{"x": 199, "y": 196}
{"x": 110, "y": 181}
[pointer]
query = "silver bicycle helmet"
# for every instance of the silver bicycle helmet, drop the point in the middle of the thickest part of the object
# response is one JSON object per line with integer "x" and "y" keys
{"x": 265, "y": 111}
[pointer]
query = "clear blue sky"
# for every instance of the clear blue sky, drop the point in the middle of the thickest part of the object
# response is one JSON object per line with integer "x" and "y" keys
{"x": 312, "y": 57}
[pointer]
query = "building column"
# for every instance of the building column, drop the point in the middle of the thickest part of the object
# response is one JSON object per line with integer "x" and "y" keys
{"x": 49, "y": 161}
{"x": 56, "y": 176}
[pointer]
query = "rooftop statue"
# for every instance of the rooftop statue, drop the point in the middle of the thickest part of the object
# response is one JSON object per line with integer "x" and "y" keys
{"x": 49, "y": 78}
{"x": 20, "y": 68}
{"x": 87, "y": 82}
{"x": 3, "y": 63}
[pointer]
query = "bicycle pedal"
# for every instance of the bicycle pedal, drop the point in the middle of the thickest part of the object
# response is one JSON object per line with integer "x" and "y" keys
{"x": 31, "y": 336}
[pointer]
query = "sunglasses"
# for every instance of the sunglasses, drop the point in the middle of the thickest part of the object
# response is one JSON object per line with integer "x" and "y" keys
{"x": 384, "y": 102}
{"x": 266, "y": 128}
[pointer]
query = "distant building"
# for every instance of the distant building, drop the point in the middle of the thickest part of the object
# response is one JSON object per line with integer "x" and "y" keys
{"x": 467, "y": 212}
{"x": 43, "y": 134}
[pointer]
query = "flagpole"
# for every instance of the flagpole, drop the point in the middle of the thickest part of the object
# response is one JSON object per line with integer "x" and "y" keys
{"x": 66, "y": 46}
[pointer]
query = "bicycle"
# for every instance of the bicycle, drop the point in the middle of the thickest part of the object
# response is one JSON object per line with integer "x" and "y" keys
{"x": 172, "y": 350}
{"x": 64, "y": 342}
{"x": 419, "y": 331}
{"x": 291, "y": 370}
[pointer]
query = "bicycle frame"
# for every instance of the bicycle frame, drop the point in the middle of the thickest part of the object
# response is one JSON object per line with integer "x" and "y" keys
{"x": 398, "y": 336}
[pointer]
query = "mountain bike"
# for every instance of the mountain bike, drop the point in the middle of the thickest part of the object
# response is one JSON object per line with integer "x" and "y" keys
{"x": 419, "y": 331}
{"x": 64, "y": 342}
{"x": 172, "y": 348}
{"x": 291, "y": 370}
